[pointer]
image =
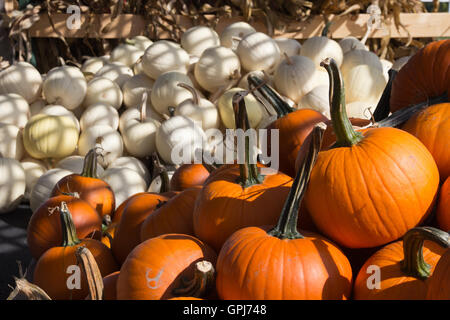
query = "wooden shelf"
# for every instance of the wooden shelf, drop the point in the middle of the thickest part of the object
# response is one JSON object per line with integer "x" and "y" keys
{"x": 419, "y": 25}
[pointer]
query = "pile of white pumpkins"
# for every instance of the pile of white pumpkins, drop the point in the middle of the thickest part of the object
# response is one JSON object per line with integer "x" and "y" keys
{"x": 131, "y": 104}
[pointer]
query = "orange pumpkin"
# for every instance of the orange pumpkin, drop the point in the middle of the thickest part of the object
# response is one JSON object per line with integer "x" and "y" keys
{"x": 175, "y": 216}
{"x": 372, "y": 186}
{"x": 108, "y": 234}
{"x": 156, "y": 267}
{"x": 439, "y": 284}
{"x": 189, "y": 176}
{"x": 280, "y": 263}
{"x": 110, "y": 285}
{"x": 400, "y": 270}
{"x": 44, "y": 228}
{"x": 93, "y": 190}
{"x": 443, "y": 208}
{"x": 54, "y": 268}
{"x": 127, "y": 234}
{"x": 432, "y": 127}
{"x": 238, "y": 197}
{"x": 425, "y": 76}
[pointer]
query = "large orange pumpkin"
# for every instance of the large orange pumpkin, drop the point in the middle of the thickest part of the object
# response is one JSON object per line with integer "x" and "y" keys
{"x": 372, "y": 186}
{"x": 127, "y": 234}
{"x": 443, "y": 208}
{"x": 281, "y": 263}
{"x": 240, "y": 196}
{"x": 156, "y": 267}
{"x": 88, "y": 186}
{"x": 439, "y": 284}
{"x": 110, "y": 286}
{"x": 175, "y": 216}
{"x": 400, "y": 270}
{"x": 425, "y": 76}
{"x": 54, "y": 268}
{"x": 44, "y": 229}
{"x": 432, "y": 127}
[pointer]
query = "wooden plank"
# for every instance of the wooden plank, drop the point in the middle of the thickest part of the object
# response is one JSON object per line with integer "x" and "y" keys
{"x": 419, "y": 25}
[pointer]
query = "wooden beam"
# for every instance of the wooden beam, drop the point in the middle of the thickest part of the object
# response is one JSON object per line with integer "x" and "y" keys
{"x": 419, "y": 25}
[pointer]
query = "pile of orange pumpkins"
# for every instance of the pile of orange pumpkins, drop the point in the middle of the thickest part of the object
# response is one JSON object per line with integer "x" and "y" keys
{"x": 354, "y": 212}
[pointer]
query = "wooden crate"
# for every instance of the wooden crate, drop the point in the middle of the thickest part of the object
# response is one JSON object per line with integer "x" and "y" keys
{"x": 417, "y": 25}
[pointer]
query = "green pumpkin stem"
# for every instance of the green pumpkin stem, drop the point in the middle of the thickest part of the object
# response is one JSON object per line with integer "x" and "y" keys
{"x": 270, "y": 95}
{"x": 69, "y": 231}
{"x": 90, "y": 164}
{"x": 200, "y": 285}
{"x": 326, "y": 29}
{"x": 160, "y": 171}
{"x": 249, "y": 173}
{"x": 414, "y": 264}
{"x": 286, "y": 227}
{"x": 346, "y": 136}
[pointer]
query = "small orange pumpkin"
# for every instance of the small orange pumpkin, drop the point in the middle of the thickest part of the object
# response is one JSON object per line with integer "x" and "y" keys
{"x": 443, "y": 208}
{"x": 439, "y": 285}
{"x": 188, "y": 176}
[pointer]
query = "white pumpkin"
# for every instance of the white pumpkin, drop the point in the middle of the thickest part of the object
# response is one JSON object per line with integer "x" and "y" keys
{"x": 33, "y": 170}
{"x": 319, "y": 48}
{"x": 197, "y": 39}
{"x": 291, "y": 47}
{"x": 101, "y": 89}
{"x": 295, "y": 76}
{"x": 179, "y": 140}
{"x": 56, "y": 110}
{"x": 134, "y": 88}
{"x": 44, "y": 185}
{"x": 351, "y": 43}
{"x": 140, "y": 42}
{"x": 137, "y": 68}
{"x": 217, "y": 68}
{"x": 100, "y": 114}
{"x": 387, "y": 65}
{"x": 134, "y": 164}
{"x": 75, "y": 164}
{"x": 37, "y": 106}
{"x": 255, "y": 110}
{"x": 11, "y": 145}
{"x": 124, "y": 182}
{"x": 23, "y": 79}
{"x": 360, "y": 109}
{"x": 258, "y": 51}
{"x": 364, "y": 83}
{"x": 50, "y": 136}
{"x": 139, "y": 133}
{"x": 126, "y": 54}
{"x": 243, "y": 83}
{"x": 400, "y": 62}
{"x": 317, "y": 99}
{"x": 167, "y": 94}
{"x": 232, "y": 34}
{"x": 65, "y": 86}
{"x": 92, "y": 65}
{"x": 163, "y": 56}
{"x": 106, "y": 138}
{"x": 14, "y": 109}
{"x": 135, "y": 113}
{"x": 199, "y": 110}
{"x": 12, "y": 184}
{"x": 355, "y": 58}
{"x": 115, "y": 71}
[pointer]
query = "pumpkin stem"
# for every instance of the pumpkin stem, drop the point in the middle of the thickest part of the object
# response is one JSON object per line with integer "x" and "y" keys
{"x": 326, "y": 29}
{"x": 191, "y": 90}
{"x": 414, "y": 264}
{"x": 25, "y": 290}
{"x": 270, "y": 95}
{"x": 286, "y": 227}
{"x": 70, "y": 237}
{"x": 144, "y": 106}
{"x": 201, "y": 284}
{"x": 90, "y": 164}
{"x": 346, "y": 136}
{"x": 249, "y": 170}
{"x": 160, "y": 171}
{"x": 288, "y": 59}
{"x": 90, "y": 269}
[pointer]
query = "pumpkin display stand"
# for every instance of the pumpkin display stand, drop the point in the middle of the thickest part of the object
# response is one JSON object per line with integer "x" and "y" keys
{"x": 95, "y": 97}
